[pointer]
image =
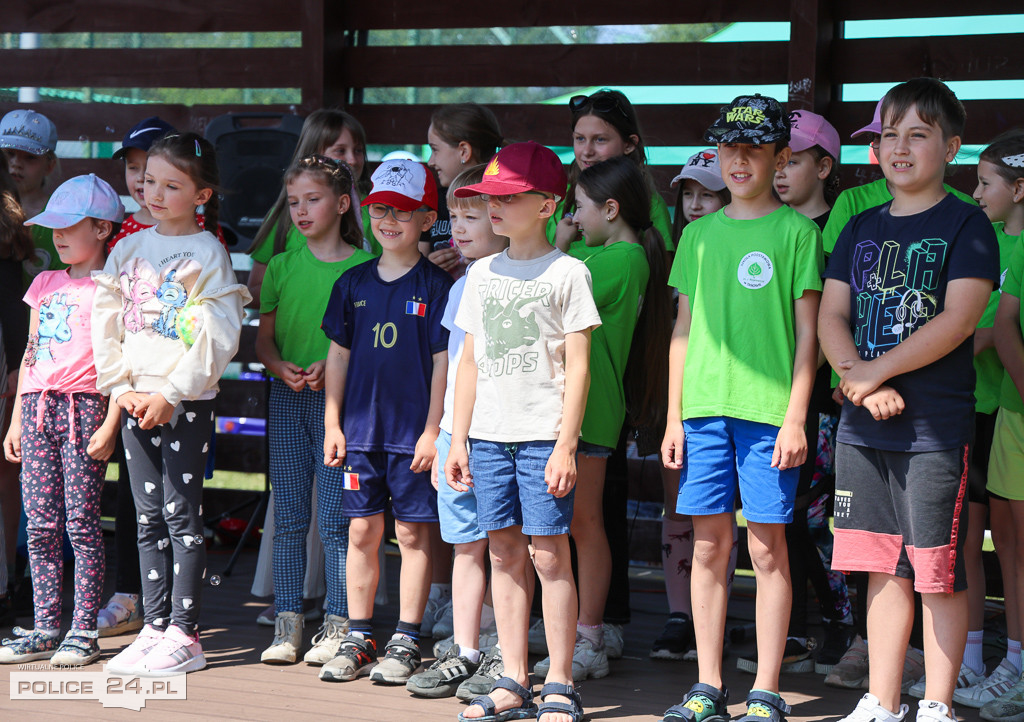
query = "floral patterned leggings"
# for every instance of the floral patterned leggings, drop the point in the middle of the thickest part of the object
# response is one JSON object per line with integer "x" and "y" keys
{"x": 61, "y": 487}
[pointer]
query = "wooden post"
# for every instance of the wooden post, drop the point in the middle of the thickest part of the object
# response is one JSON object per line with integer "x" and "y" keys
{"x": 313, "y": 73}
{"x": 811, "y": 31}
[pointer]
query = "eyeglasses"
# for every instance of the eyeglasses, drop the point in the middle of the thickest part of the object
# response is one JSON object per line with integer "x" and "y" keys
{"x": 379, "y": 210}
{"x": 506, "y": 199}
{"x": 603, "y": 101}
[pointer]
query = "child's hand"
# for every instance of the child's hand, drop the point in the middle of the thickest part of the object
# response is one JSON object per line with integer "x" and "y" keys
{"x": 445, "y": 258}
{"x": 456, "y": 468}
{"x": 292, "y": 375}
{"x": 790, "y": 447}
{"x": 837, "y": 396}
{"x": 129, "y": 401}
{"x": 560, "y": 472}
{"x": 12, "y": 442}
{"x": 154, "y": 410}
{"x": 672, "y": 446}
{"x": 884, "y": 403}
{"x": 334, "y": 447}
{"x": 425, "y": 451}
{"x": 859, "y": 379}
{"x": 314, "y": 375}
{"x": 566, "y": 232}
{"x": 433, "y": 471}
{"x": 101, "y": 444}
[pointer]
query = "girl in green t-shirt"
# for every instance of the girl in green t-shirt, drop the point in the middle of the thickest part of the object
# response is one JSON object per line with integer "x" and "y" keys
{"x": 327, "y": 132}
{"x": 629, "y": 277}
{"x": 293, "y": 349}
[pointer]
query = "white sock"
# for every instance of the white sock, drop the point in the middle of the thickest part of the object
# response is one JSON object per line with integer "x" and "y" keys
{"x": 486, "y": 616}
{"x": 440, "y": 591}
{"x": 1013, "y": 653}
{"x": 973, "y": 656}
{"x": 594, "y": 634}
{"x": 473, "y": 655}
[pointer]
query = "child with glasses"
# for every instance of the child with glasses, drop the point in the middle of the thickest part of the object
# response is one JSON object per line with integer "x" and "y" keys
{"x": 293, "y": 348}
{"x": 385, "y": 379}
{"x": 520, "y": 393}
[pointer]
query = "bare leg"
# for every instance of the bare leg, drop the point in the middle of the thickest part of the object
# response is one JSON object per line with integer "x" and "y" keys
{"x": 362, "y": 568}
{"x": 469, "y": 581}
{"x": 767, "y": 544}
{"x": 945, "y": 634}
{"x": 1004, "y": 537}
{"x": 551, "y": 557}
{"x": 593, "y": 555}
{"x": 414, "y": 577}
{"x": 711, "y": 550}
{"x": 890, "y": 616}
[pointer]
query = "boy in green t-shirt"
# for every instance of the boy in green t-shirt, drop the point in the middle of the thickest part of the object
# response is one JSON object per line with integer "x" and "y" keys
{"x": 741, "y": 365}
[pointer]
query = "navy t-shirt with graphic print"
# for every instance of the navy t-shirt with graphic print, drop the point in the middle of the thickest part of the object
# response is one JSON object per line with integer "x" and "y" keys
{"x": 898, "y": 268}
{"x": 392, "y": 329}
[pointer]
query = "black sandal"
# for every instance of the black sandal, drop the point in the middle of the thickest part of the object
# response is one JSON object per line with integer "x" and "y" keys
{"x": 694, "y": 707}
{"x": 527, "y": 710}
{"x": 574, "y": 710}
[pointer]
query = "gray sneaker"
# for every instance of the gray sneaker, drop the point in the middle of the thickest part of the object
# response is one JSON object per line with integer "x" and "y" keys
{"x": 327, "y": 641}
{"x": 401, "y": 660}
{"x": 490, "y": 671}
{"x": 356, "y": 657}
{"x": 444, "y": 676}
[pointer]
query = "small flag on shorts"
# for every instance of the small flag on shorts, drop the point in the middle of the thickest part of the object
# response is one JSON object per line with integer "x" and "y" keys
{"x": 350, "y": 482}
{"x": 414, "y": 308}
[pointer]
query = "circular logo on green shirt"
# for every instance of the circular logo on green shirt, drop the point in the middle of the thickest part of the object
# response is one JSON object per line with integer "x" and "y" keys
{"x": 755, "y": 270}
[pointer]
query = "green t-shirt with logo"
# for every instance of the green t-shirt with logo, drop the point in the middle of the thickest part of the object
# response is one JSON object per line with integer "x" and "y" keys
{"x": 1013, "y": 278}
{"x": 619, "y": 274}
{"x": 660, "y": 219}
{"x": 857, "y": 200}
{"x": 265, "y": 251}
{"x": 987, "y": 367}
{"x": 742, "y": 278}
{"x": 297, "y": 286}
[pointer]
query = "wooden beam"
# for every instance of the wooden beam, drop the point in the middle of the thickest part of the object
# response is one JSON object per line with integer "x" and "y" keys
{"x": 810, "y": 34}
{"x": 887, "y": 9}
{"x": 153, "y": 67}
{"x": 563, "y": 65}
{"x": 962, "y": 57}
{"x": 401, "y": 14}
{"x": 132, "y": 16}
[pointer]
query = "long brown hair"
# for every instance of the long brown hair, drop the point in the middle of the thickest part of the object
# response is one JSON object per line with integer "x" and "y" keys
{"x": 647, "y": 367}
{"x": 194, "y": 155}
{"x": 337, "y": 176}
{"x": 15, "y": 237}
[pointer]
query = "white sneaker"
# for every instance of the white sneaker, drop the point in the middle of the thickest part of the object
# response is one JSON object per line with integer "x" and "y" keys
{"x": 327, "y": 641}
{"x": 613, "y": 641}
{"x": 536, "y": 639}
{"x": 445, "y": 624}
{"x": 430, "y": 614}
{"x": 868, "y": 709}
{"x": 965, "y": 679}
{"x": 992, "y": 687}
{"x": 587, "y": 662}
{"x": 931, "y": 711}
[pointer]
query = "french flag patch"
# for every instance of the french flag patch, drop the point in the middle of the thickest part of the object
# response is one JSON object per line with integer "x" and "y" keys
{"x": 350, "y": 482}
{"x": 414, "y": 308}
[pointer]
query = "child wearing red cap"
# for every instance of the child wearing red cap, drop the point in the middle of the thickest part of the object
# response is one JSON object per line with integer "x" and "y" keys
{"x": 520, "y": 393}
{"x": 384, "y": 383}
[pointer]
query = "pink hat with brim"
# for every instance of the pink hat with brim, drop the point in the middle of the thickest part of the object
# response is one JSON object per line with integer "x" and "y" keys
{"x": 518, "y": 168}
{"x": 810, "y": 129}
{"x": 875, "y": 126}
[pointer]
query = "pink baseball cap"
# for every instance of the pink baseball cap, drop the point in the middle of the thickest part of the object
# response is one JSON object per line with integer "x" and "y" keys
{"x": 810, "y": 129}
{"x": 875, "y": 126}
{"x": 403, "y": 184}
{"x": 520, "y": 167}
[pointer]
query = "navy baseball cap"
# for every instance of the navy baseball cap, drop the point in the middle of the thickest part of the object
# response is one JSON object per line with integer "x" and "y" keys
{"x": 143, "y": 134}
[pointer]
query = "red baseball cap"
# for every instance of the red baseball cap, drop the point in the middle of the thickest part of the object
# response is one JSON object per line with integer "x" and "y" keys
{"x": 403, "y": 184}
{"x": 520, "y": 167}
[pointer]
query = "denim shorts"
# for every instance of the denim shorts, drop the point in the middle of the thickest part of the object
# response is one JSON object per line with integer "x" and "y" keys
{"x": 722, "y": 452}
{"x": 384, "y": 476}
{"x": 594, "y": 451}
{"x": 511, "y": 491}
{"x": 455, "y": 509}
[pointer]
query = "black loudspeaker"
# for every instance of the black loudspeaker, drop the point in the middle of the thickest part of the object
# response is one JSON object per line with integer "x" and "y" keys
{"x": 253, "y": 152}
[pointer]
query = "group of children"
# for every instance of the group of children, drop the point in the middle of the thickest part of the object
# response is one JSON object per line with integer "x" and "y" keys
{"x": 489, "y": 400}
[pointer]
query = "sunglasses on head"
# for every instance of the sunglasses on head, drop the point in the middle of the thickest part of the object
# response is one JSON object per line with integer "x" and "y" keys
{"x": 602, "y": 102}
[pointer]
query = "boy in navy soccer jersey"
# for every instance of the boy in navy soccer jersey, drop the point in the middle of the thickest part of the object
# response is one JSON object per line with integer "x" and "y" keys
{"x": 385, "y": 380}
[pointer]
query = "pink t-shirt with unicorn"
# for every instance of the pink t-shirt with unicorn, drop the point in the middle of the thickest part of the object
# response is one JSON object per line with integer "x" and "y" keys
{"x": 59, "y": 357}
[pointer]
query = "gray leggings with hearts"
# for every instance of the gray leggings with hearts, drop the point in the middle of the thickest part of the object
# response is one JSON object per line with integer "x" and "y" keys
{"x": 166, "y": 466}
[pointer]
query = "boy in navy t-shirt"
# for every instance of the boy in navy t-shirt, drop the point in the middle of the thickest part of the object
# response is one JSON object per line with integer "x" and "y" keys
{"x": 905, "y": 287}
{"x": 385, "y": 379}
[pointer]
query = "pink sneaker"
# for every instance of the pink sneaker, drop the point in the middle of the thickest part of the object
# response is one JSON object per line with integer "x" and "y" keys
{"x": 176, "y": 653}
{"x": 125, "y": 661}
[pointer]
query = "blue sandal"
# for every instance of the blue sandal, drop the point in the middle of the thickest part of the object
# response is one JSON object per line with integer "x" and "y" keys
{"x": 527, "y": 710}
{"x": 703, "y": 703}
{"x": 574, "y": 710}
{"x": 765, "y": 707}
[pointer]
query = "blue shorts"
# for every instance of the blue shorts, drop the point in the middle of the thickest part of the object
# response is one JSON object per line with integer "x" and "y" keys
{"x": 721, "y": 452}
{"x": 455, "y": 509}
{"x": 594, "y": 451}
{"x": 511, "y": 491}
{"x": 384, "y": 475}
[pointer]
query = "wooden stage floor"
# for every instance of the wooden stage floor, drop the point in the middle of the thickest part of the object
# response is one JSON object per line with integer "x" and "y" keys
{"x": 236, "y": 686}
